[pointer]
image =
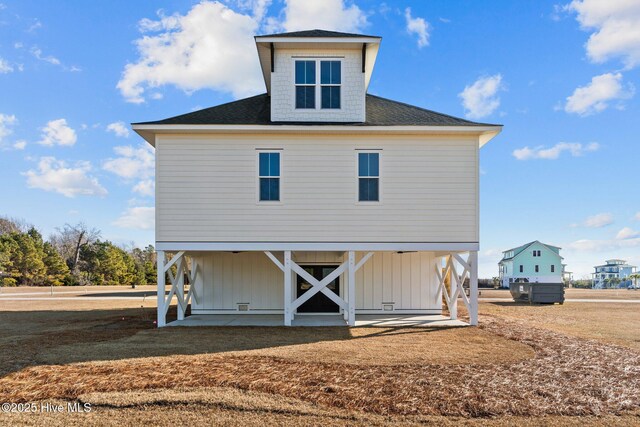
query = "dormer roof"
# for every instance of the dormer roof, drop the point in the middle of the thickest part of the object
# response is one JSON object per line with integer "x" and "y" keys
{"x": 316, "y": 33}
{"x": 316, "y": 39}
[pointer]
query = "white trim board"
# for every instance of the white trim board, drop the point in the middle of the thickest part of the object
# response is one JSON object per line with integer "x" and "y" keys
{"x": 319, "y": 246}
{"x": 150, "y": 131}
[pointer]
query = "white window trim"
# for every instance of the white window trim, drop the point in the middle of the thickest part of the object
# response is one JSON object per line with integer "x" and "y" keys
{"x": 258, "y": 176}
{"x": 380, "y": 174}
{"x": 317, "y": 84}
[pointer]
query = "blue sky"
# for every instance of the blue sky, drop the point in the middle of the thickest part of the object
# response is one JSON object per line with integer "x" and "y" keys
{"x": 560, "y": 76}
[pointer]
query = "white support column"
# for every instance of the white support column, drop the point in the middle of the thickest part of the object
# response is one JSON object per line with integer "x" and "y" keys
{"x": 288, "y": 315}
{"x": 162, "y": 319}
{"x": 180, "y": 287}
{"x": 453, "y": 294}
{"x": 351, "y": 318}
{"x": 473, "y": 289}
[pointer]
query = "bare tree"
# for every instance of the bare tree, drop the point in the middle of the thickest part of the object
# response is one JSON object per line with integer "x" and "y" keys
{"x": 70, "y": 239}
{"x": 10, "y": 225}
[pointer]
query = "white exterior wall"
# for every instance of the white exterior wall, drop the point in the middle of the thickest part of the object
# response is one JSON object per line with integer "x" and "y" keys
{"x": 352, "y": 90}
{"x": 406, "y": 280}
{"x": 207, "y": 189}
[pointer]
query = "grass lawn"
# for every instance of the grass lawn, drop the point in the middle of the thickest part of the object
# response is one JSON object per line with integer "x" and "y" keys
{"x": 574, "y": 364}
{"x": 573, "y": 293}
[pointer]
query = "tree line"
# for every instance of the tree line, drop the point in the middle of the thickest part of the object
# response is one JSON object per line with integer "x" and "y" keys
{"x": 72, "y": 255}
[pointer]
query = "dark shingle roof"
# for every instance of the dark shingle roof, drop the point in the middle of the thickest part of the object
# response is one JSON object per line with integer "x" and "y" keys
{"x": 256, "y": 110}
{"x": 315, "y": 33}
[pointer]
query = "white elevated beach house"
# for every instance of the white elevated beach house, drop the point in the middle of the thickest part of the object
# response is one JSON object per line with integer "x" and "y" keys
{"x": 316, "y": 197}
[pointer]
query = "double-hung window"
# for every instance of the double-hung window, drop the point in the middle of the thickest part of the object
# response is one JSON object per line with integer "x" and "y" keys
{"x": 330, "y": 78}
{"x": 368, "y": 177}
{"x": 269, "y": 176}
{"x": 306, "y": 84}
{"x": 309, "y": 89}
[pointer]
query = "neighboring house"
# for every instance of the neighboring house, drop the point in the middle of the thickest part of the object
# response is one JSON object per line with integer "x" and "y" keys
{"x": 532, "y": 262}
{"x": 615, "y": 271}
{"x": 316, "y": 197}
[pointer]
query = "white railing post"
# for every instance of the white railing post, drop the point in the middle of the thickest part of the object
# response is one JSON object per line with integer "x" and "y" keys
{"x": 162, "y": 319}
{"x": 288, "y": 316}
{"x": 351, "y": 321}
{"x": 182, "y": 265}
{"x": 453, "y": 294}
{"x": 473, "y": 288}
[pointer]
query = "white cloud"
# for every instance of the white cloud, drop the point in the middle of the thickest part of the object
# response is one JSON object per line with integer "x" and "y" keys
{"x": 57, "y": 132}
{"x": 5, "y": 67}
{"x": 596, "y": 221}
{"x": 137, "y": 217}
{"x": 146, "y": 187}
{"x": 6, "y": 124}
{"x": 552, "y": 153}
{"x": 132, "y": 162}
{"x": 480, "y": 99}
{"x": 119, "y": 128}
{"x": 210, "y": 47}
{"x": 37, "y": 53}
{"x": 616, "y": 29}
{"x": 596, "y": 96}
{"x": 324, "y": 14}
{"x": 417, "y": 26}
{"x": 20, "y": 145}
{"x": 54, "y": 175}
{"x": 627, "y": 233}
{"x": 586, "y": 245}
{"x": 36, "y": 25}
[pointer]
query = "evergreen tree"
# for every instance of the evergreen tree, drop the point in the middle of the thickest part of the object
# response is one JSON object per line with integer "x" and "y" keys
{"x": 57, "y": 269}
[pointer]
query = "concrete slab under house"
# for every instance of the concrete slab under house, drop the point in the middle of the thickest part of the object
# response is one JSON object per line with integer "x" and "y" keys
{"x": 317, "y": 203}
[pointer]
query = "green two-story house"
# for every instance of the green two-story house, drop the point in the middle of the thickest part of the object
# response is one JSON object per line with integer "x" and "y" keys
{"x": 532, "y": 262}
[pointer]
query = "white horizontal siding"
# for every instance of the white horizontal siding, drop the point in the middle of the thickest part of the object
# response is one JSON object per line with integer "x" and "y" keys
{"x": 406, "y": 280}
{"x": 207, "y": 190}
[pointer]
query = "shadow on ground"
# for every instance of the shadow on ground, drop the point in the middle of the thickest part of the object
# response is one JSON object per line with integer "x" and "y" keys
{"x": 33, "y": 338}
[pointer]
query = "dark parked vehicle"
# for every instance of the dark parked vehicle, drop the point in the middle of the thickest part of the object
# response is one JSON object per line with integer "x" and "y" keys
{"x": 538, "y": 293}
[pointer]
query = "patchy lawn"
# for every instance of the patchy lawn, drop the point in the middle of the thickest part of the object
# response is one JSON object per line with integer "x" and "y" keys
{"x": 506, "y": 369}
{"x": 607, "y": 322}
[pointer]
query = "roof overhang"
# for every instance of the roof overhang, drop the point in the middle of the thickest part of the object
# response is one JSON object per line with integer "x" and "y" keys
{"x": 267, "y": 44}
{"x": 318, "y": 246}
{"x": 149, "y": 131}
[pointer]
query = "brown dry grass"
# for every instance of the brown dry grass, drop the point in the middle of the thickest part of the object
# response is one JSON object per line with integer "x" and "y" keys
{"x": 603, "y": 379}
{"x": 361, "y": 346}
{"x": 573, "y": 293}
{"x": 64, "y": 290}
{"x": 254, "y": 377}
{"x": 608, "y": 322}
{"x": 230, "y": 407}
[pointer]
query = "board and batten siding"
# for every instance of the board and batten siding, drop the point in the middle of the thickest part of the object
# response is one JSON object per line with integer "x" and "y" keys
{"x": 207, "y": 189}
{"x": 407, "y": 281}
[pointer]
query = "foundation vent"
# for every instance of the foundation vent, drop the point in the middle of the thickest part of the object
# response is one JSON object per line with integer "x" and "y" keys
{"x": 243, "y": 306}
{"x": 387, "y": 306}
